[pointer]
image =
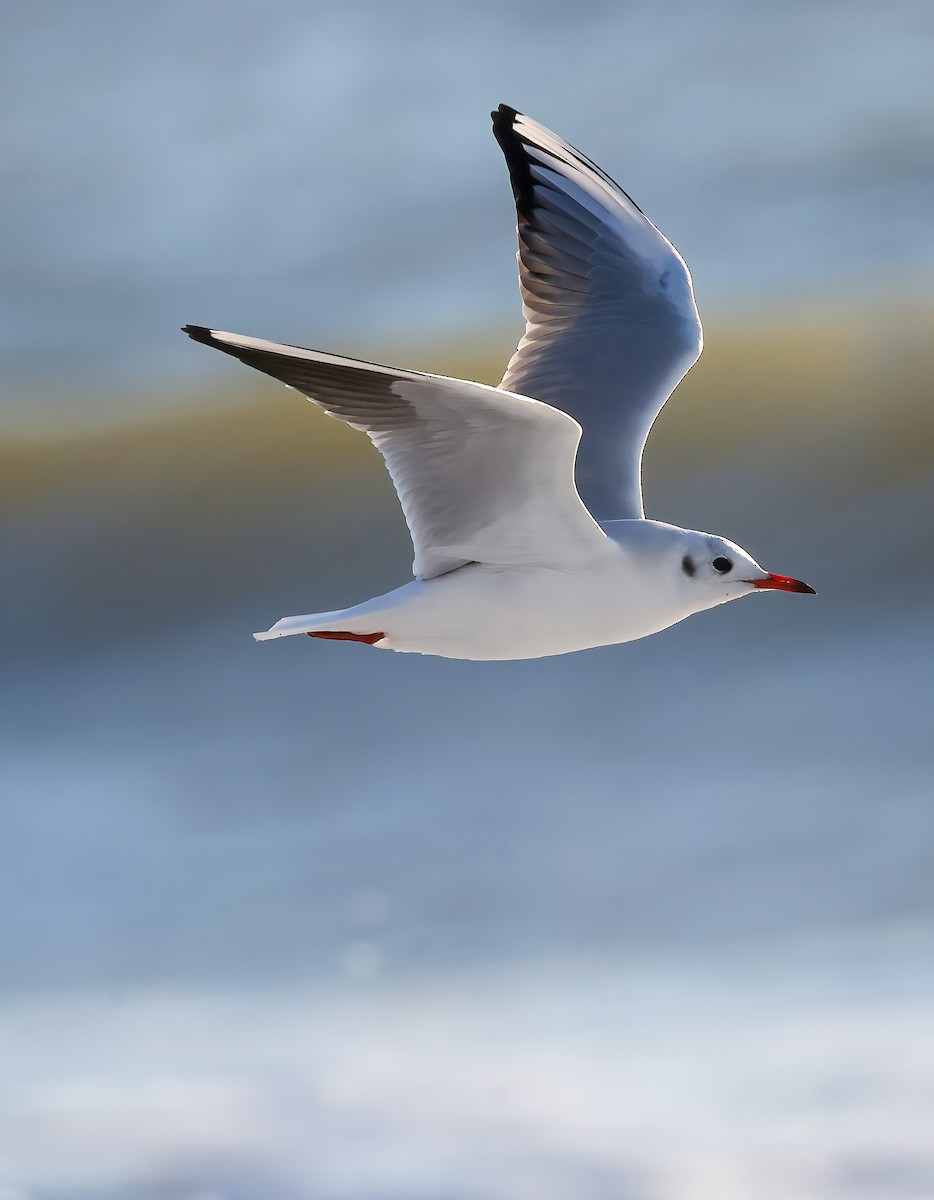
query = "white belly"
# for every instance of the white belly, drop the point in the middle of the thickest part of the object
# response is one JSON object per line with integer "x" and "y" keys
{"x": 482, "y": 612}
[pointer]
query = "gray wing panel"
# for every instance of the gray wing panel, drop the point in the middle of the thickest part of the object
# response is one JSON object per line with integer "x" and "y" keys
{"x": 611, "y": 324}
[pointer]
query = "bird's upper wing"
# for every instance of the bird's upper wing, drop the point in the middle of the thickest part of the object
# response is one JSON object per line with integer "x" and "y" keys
{"x": 482, "y": 475}
{"x": 611, "y": 323}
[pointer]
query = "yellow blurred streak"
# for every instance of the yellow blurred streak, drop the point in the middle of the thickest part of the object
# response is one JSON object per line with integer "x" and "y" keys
{"x": 855, "y": 392}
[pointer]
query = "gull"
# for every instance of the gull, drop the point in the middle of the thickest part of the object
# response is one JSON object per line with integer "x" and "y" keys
{"x": 524, "y": 501}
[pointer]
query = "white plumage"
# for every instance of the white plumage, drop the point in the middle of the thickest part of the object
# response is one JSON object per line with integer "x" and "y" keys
{"x": 509, "y": 562}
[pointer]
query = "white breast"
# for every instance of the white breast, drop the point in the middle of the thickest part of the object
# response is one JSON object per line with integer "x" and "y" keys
{"x": 482, "y": 612}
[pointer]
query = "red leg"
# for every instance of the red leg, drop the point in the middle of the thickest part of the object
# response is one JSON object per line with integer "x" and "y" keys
{"x": 342, "y": 635}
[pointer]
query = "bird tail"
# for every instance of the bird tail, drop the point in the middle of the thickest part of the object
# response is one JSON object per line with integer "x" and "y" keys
{"x": 358, "y": 624}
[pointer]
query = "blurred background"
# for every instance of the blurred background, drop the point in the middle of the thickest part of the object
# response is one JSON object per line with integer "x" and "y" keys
{"x": 305, "y": 920}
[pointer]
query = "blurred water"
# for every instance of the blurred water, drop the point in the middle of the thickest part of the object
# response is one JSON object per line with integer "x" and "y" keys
{"x": 311, "y": 920}
{"x": 327, "y": 174}
{"x": 198, "y": 800}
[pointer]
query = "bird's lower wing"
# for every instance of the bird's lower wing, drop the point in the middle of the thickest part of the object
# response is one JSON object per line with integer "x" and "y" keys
{"x": 482, "y": 475}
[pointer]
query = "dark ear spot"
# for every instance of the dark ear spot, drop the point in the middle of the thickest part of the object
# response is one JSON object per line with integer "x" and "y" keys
{"x": 687, "y": 566}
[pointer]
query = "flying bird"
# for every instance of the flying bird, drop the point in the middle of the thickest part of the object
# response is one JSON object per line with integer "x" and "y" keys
{"x": 524, "y": 501}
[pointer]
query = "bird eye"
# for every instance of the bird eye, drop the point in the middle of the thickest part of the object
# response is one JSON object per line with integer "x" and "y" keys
{"x": 722, "y": 565}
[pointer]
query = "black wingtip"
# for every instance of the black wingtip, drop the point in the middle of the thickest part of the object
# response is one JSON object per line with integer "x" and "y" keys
{"x": 504, "y": 114}
{"x": 504, "y": 119}
{"x": 199, "y": 333}
{"x": 512, "y": 146}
